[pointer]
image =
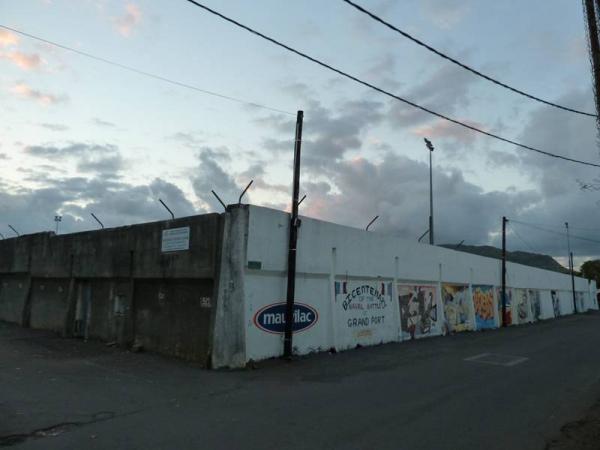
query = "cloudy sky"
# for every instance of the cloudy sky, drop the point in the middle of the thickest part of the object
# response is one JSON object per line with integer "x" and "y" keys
{"x": 79, "y": 136}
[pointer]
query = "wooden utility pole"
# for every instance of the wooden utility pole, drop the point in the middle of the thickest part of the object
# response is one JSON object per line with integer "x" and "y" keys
{"x": 294, "y": 224}
{"x": 591, "y": 11}
{"x": 504, "y": 220}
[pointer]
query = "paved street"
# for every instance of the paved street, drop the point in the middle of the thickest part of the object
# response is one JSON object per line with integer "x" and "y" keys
{"x": 499, "y": 389}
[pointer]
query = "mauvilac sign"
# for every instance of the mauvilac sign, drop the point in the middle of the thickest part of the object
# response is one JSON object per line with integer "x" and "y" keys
{"x": 271, "y": 318}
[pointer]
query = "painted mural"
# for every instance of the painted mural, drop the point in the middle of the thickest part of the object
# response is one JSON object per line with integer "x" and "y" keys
{"x": 457, "y": 309}
{"x": 483, "y": 302}
{"x": 418, "y": 310}
{"x": 364, "y": 313}
{"x": 508, "y": 315}
{"x": 521, "y": 308}
{"x": 535, "y": 303}
{"x": 555, "y": 303}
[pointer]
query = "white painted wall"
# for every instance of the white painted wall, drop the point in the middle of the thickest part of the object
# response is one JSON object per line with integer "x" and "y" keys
{"x": 328, "y": 252}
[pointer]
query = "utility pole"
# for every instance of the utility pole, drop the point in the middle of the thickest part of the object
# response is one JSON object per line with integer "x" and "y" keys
{"x": 571, "y": 266}
{"x": 573, "y": 282}
{"x": 504, "y": 221}
{"x": 294, "y": 225}
{"x": 430, "y": 147}
{"x": 594, "y": 46}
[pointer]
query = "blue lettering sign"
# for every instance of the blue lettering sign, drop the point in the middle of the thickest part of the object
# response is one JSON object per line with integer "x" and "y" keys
{"x": 271, "y": 318}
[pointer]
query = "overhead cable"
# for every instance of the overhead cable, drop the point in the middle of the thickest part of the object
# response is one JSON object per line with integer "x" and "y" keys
{"x": 148, "y": 74}
{"x": 537, "y": 227}
{"x": 460, "y": 64}
{"x": 522, "y": 240}
{"x": 383, "y": 91}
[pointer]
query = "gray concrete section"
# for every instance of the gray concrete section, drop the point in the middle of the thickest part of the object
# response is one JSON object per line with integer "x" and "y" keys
{"x": 14, "y": 290}
{"x": 173, "y": 317}
{"x": 66, "y": 394}
{"x": 115, "y": 252}
{"x": 49, "y": 304}
{"x": 229, "y": 340}
{"x": 117, "y": 285}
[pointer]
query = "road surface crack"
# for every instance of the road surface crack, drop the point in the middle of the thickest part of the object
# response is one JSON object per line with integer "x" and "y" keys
{"x": 54, "y": 430}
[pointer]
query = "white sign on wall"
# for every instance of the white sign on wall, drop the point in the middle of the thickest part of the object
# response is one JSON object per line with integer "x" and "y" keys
{"x": 175, "y": 239}
{"x": 364, "y": 312}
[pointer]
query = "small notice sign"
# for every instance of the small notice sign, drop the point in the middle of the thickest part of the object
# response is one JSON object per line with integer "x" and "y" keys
{"x": 175, "y": 239}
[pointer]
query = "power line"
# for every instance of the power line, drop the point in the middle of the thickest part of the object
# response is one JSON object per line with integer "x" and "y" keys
{"x": 555, "y": 232}
{"x": 464, "y": 66}
{"x": 148, "y": 74}
{"x": 523, "y": 240}
{"x": 383, "y": 91}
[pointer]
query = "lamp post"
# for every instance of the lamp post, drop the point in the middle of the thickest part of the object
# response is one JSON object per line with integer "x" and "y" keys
{"x": 57, "y": 219}
{"x": 430, "y": 147}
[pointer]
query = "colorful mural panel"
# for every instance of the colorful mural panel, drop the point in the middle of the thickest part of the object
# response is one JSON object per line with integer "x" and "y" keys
{"x": 555, "y": 303}
{"x": 521, "y": 308}
{"x": 535, "y": 303}
{"x": 483, "y": 302}
{"x": 457, "y": 308}
{"x": 508, "y": 315}
{"x": 418, "y": 310}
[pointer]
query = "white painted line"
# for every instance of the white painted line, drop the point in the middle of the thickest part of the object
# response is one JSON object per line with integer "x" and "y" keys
{"x": 497, "y": 359}
{"x": 516, "y": 361}
{"x": 476, "y": 357}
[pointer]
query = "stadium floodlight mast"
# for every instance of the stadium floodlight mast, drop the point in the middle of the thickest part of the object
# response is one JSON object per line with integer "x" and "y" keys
{"x": 430, "y": 147}
{"x": 57, "y": 220}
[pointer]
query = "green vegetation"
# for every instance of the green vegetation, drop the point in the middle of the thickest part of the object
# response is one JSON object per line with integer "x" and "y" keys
{"x": 591, "y": 270}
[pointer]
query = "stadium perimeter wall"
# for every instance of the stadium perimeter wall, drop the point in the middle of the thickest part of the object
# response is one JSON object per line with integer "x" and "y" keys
{"x": 220, "y": 300}
{"x": 117, "y": 285}
{"x": 359, "y": 288}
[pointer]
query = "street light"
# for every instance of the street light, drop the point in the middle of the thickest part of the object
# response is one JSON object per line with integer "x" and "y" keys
{"x": 57, "y": 219}
{"x": 430, "y": 147}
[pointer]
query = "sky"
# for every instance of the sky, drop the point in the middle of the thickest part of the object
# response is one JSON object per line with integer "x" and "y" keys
{"x": 79, "y": 136}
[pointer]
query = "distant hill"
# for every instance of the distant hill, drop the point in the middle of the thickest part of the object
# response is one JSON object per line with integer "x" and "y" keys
{"x": 528, "y": 259}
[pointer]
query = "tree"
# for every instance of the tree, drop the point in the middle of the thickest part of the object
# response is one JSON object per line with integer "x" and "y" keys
{"x": 591, "y": 270}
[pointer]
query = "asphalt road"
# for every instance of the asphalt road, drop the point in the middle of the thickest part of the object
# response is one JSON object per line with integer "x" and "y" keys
{"x": 430, "y": 394}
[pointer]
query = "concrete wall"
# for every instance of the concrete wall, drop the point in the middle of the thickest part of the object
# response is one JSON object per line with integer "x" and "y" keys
{"x": 49, "y": 303}
{"x": 220, "y": 302}
{"x": 14, "y": 289}
{"x": 117, "y": 285}
{"x": 331, "y": 257}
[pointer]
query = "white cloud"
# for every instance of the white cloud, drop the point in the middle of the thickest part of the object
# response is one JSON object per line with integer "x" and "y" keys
{"x": 23, "y": 90}
{"x": 130, "y": 19}
{"x": 8, "y": 38}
